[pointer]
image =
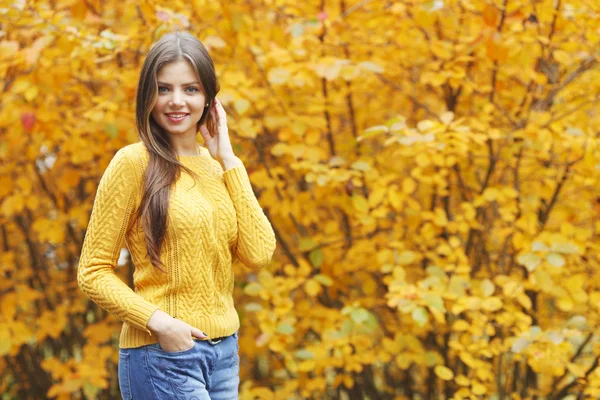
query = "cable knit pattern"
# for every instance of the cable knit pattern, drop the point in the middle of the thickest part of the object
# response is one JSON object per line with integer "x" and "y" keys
{"x": 212, "y": 222}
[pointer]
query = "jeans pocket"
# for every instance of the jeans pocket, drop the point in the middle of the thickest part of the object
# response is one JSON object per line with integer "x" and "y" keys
{"x": 123, "y": 373}
{"x": 156, "y": 347}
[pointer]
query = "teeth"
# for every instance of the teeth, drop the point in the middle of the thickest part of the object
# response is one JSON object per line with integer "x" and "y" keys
{"x": 176, "y": 115}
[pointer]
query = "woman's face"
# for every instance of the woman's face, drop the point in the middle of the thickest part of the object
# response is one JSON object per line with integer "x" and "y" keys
{"x": 180, "y": 101}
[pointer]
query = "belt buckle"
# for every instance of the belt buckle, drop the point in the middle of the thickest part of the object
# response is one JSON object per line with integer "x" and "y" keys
{"x": 214, "y": 342}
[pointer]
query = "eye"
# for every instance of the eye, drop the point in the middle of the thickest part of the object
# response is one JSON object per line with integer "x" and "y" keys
{"x": 161, "y": 87}
{"x": 191, "y": 87}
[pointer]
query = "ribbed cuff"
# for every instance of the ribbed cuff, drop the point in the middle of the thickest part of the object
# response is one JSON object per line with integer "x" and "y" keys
{"x": 237, "y": 179}
{"x": 140, "y": 313}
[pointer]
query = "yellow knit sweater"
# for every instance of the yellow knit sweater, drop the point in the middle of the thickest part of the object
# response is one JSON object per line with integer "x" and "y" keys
{"x": 210, "y": 225}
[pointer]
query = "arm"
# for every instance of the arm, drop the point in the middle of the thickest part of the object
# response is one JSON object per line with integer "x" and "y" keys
{"x": 113, "y": 207}
{"x": 256, "y": 239}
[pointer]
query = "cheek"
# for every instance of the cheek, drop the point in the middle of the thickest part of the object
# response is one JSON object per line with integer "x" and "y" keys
{"x": 199, "y": 106}
{"x": 159, "y": 106}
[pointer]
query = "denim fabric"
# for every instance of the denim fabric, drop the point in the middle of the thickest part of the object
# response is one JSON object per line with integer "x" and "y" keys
{"x": 204, "y": 372}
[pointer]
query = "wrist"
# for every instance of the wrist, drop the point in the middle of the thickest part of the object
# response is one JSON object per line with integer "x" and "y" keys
{"x": 229, "y": 162}
{"x": 158, "y": 322}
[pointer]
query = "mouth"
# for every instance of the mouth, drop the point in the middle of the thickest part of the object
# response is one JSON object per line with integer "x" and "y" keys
{"x": 176, "y": 117}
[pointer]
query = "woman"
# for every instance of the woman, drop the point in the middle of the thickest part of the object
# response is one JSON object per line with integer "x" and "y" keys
{"x": 186, "y": 213}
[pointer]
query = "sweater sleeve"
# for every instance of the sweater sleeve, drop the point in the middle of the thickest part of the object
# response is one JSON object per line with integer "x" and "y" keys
{"x": 112, "y": 209}
{"x": 256, "y": 239}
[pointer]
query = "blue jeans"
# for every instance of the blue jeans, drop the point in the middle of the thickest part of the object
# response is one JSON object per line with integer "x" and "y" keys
{"x": 204, "y": 372}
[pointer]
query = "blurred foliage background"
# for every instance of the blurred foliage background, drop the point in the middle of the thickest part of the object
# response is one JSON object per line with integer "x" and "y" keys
{"x": 430, "y": 168}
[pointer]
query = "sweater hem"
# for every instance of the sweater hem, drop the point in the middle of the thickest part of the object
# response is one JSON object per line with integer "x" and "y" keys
{"x": 212, "y": 325}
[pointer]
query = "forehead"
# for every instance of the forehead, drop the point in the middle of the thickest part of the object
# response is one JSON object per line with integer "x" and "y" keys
{"x": 177, "y": 72}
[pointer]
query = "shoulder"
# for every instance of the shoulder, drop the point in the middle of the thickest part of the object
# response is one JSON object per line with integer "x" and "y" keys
{"x": 133, "y": 151}
{"x": 127, "y": 162}
{"x": 133, "y": 156}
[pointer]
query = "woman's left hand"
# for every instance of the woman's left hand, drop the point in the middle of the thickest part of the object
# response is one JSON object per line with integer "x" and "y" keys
{"x": 218, "y": 143}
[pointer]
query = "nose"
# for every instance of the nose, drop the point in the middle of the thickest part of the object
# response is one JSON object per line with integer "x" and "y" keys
{"x": 177, "y": 99}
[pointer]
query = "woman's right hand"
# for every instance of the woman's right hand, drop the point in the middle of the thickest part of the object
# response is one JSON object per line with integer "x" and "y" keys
{"x": 174, "y": 335}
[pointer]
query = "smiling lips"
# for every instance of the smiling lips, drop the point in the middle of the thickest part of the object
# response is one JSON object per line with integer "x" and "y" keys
{"x": 176, "y": 117}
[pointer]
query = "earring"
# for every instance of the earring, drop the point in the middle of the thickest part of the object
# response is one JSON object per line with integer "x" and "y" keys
{"x": 206, "y": 105}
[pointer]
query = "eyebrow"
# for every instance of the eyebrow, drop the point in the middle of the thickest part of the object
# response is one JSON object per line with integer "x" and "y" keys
{"x": 185, "y": 84}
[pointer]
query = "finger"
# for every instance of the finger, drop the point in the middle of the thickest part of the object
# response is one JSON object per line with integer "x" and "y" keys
{"x": 220, "y": 112}
{"x": 205, "y": 133}
{"x": 198, "y": 333}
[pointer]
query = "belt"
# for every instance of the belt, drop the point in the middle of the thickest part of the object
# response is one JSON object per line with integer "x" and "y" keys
{"x": 216, "y": 340}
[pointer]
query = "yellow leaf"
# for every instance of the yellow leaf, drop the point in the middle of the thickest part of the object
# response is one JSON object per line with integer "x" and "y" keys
{"x": 312, "y": 287}
{"x": 395, "y": 199}
{"x": 447, "y": 117}
{"x": 20, "y": 86}
{"x": 487, "y": 287}
{"x": 408, "y": 185}
{"x": 562, "y": 57}
{"x": 479, "y": 389}
{"x": 8, "y": 49}
{"x": 496, "y": 50}
{"x": 440, "y": 218}
{"x": 369, "y": 66}
{"x": 577, "y": 370}
{"x": 442, "y": 49}
{"x": 406, "y": 257}
{"x": 99, "y": 332}
{"x": 565, "y": 304}
{"x": 403, "y": 362}
{"x": 349, "y": 72}
{"x": 78, "y": 10}
{"x": 376, "y": 196}
{"x": 491, "y": 14}
{"x": 565, "y": 248}
{"x": 13, "y": 205}
{"x": 468, "y": 359}
{"x": 94, "y": 115}
{"x": 444, "y": 372}
{"x": 5, "y": 340}
{"x": 307, "y": 365}
{"x": 214, "y": 41}
{"x": 246, "y": 128}
{"x": 462, "y": 380}
{"x": 492, "y": 304}
{"x": 253, "y": 289}
{"x": 241, "y": 106}
{"x": 490, "y": 194}
{"x": 423, "y": 160}
{"x": 373, "y": 131}
{"x": 530, "y": 260}
{"x": 555, "y": 259}
{"x": 278, "y": 75}
{"x": 148, "y": 11}
{"x": 348, "y": 381}
{"x": 525, "y": 301}
{"x": 460, "y": 325}
{"x": 360, "y": 204}
{"x": 56, "y": 368}
{"x": 329, "y": 71}
{"x": 433, "y": 78}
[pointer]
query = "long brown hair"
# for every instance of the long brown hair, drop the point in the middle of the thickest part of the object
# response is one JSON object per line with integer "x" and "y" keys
{"x": 163, "y": 166}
